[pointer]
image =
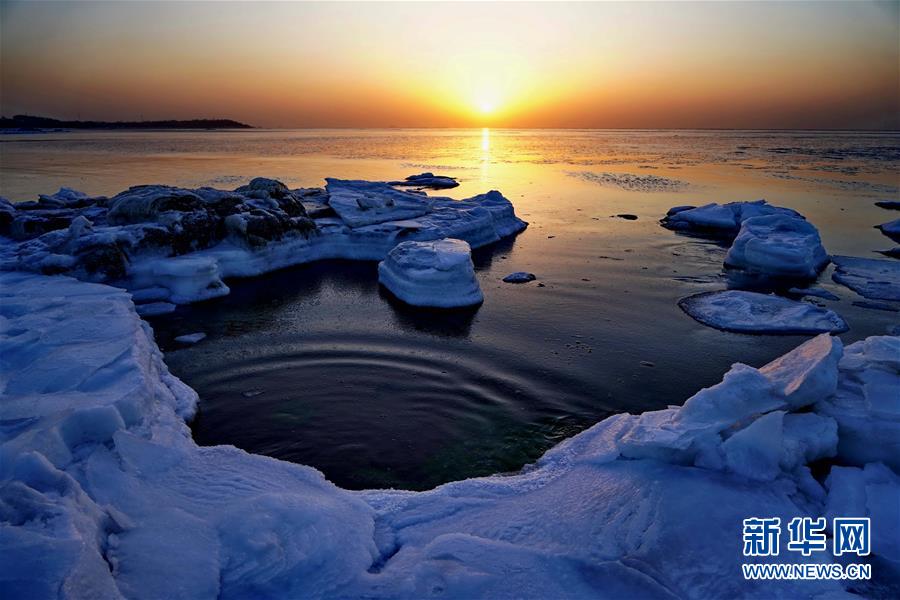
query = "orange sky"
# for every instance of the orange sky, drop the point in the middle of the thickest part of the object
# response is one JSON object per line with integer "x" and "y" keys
{"x": 293, "y": 64}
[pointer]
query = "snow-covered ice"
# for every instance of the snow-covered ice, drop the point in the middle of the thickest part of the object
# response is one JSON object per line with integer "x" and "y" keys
{"x": 867, "y": 403}
{"x": 891, "y": 229}
{"x": 725, "y": 219}
{"x": 876, "y": 279}
{"x": 752, "y": 312}
{"x": 190, "y": 338}
{"x": 778, "y": 246}
{"x": 178, "y": 245}
{"x": 439, "y": 274}
{"x": 104, "y": 494}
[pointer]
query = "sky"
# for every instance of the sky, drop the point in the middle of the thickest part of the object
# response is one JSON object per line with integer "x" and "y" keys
{"x": 804, "y": 65}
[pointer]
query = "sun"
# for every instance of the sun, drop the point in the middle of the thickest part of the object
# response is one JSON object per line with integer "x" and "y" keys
{"x": 486, "y": 107}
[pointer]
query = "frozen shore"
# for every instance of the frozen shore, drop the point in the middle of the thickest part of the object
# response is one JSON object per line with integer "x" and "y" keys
{"x": 104, "y": 494}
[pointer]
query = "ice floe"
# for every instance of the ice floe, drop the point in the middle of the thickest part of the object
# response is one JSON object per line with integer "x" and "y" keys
{"x": 876, "y": 279}
{"x": 778, "y": 246}
{"x": 428, "y": 180}
{"x": 891, "y": 229}
{"x": 438, "y": 274}
{"x": 190, "y": 338}
{"x": 723, "y": 219}
{"x": 178, "y": 245}
{"x": 752, "y": 312}
{"x": 104, "y": 493}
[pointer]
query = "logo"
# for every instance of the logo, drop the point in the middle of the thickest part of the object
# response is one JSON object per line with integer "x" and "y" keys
{"x": 806, "y": 536}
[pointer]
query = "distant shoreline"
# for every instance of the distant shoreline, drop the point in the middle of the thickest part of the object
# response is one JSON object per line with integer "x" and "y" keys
{"x": 28, "y": 123}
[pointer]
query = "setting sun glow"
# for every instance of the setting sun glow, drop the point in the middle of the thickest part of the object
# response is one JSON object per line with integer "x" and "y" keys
{"x": 592, "y": 64}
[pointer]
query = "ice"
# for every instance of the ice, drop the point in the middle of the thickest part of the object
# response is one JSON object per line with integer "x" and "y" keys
{"x": 891, "y": 229}
{"x": 876, "y": 279}
{"x": 866, "y": 405}
{"x": 360, "y": 203}
{"x": 751, "y": 312}
{"x": 190, "y": 338}
{"x": 438, "y": 274}
{"x": 721, "y": 218}
{"x": 778, "y": 246}
{"x": 755, "y": 451}
{"x": 176, "y": 245}
{"x": 873, "y": 492}
{"x": 428, "y": 180}
{"x": 153, "y": 309}
{"x": 103, "y": 493}
{"x": 813, "y": 291}
{"x": 519, "y": 277}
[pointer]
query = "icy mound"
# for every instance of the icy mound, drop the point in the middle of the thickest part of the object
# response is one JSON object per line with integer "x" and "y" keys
{"x": 428, "y": 180}
{"x": 752, "y": 312}
{"x": 104, "y": 494}
{"x": 778, "y": 246}
{"x": 891, "y": 229}
{"x": 725, "y": 219}
{"x": 360, "y": 203}
{"x": 169, "y": 244}
{"x": 873, "y": 278}
{"x": 867, "y": 403}
{"x": 439, "y": 274}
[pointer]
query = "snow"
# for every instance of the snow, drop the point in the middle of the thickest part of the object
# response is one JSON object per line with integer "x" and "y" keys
{"x": 438, "y": 274}
{"x": 876, "y": 279}
{"x": 519, "y": 277}
{"x": 866, "y": 405}
{"x": 360, "y": 203}
{"x": 778, "y": 246}
{"x": 190, "y": 338}
{"x": 179, "y": 245}
{"x": 721, "y": 218}
{"x": 752, "y": 312}
{"x": 103, "y": 492}
{"x": 891, "y": 229}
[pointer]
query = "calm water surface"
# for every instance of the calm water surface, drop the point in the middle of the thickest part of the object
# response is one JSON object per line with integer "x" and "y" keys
{"x": 316, "y": 365}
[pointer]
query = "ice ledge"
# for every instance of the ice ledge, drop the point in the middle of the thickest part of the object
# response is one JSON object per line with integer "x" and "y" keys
{"x": 104, "y": 494}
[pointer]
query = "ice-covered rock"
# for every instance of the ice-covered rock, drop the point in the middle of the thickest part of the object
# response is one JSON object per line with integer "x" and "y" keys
{"x": 157, "y": 237}
{"x": 428, "y": 180}
{"x": 439, "y": 274}
{"x": 519, "y": 277}
{"x": 866, "y": 405}
{"x": 873, "y": 278}
{"x": 724, "y": 219}
{"x": 778, "y": 246}
{"x": 751, "y": 312}
{"x": 103, "y": 493}
{"x": 891, "y": 229}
